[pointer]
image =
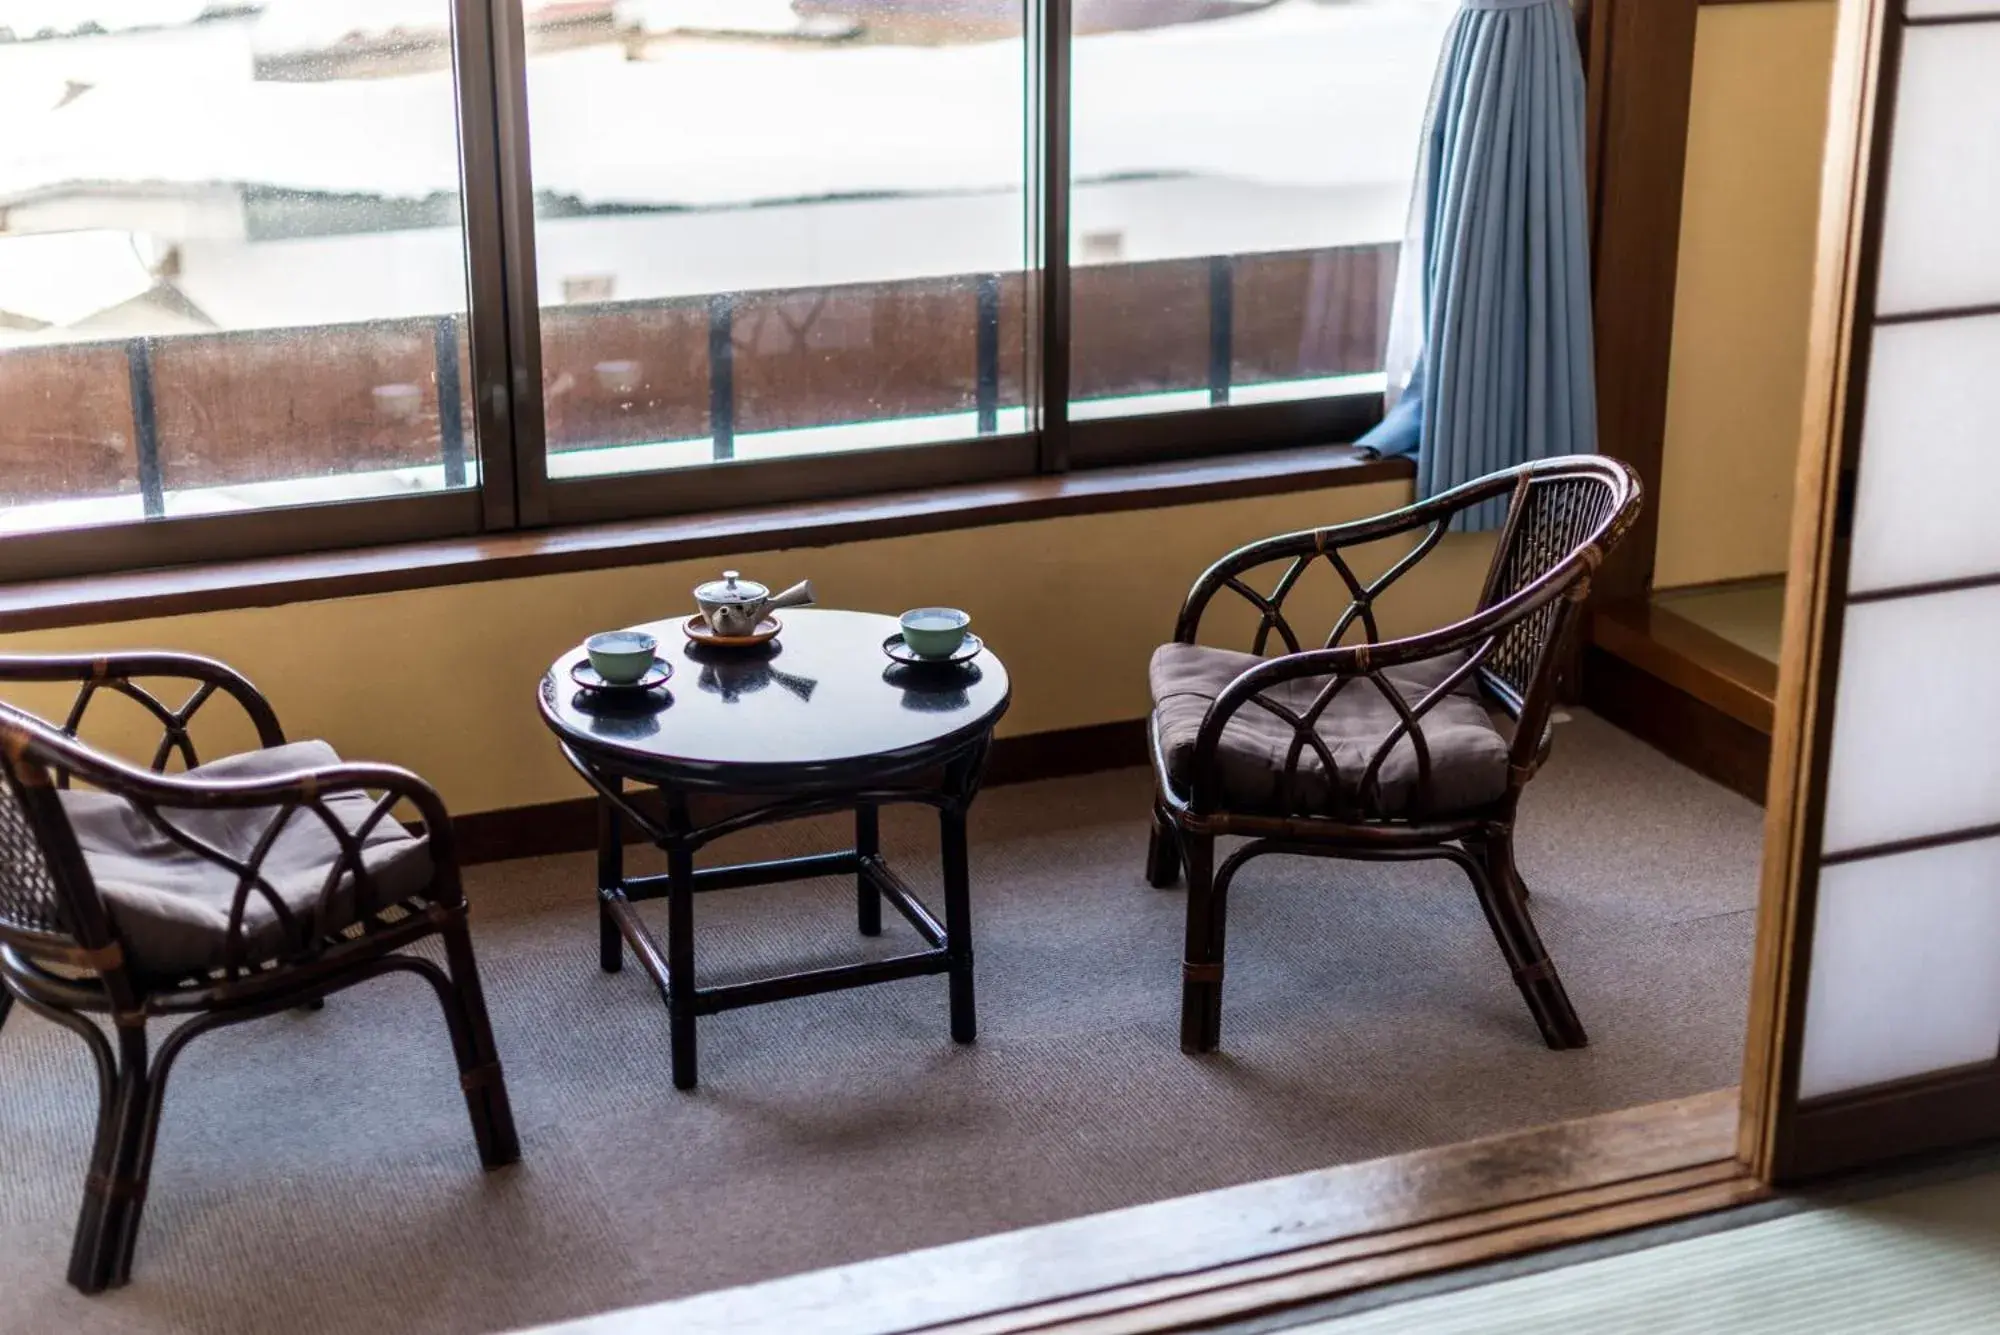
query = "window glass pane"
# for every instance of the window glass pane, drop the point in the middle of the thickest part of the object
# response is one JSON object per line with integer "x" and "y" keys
{"x": 232, "y": 265}
{"x": 1240, "y": 183}
{"x": 768, "y": 228}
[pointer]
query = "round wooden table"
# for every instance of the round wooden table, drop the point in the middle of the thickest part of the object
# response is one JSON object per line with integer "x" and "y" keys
{"x": 819, "y": 720}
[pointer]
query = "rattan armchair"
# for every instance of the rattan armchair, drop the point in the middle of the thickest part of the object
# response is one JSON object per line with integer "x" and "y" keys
{"x": 258, "y": 883}
{"x": 1373, "y": 749}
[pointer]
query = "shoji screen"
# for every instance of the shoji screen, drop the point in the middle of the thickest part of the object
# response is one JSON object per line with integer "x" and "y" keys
{"x": 1904, "y": 947}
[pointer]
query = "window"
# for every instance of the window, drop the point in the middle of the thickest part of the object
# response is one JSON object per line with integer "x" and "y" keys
{"x": 232, "y": 273}
{"x": 1239, "y": 187}
{"x": 813, "y": 221}
{"x": 303, "y": 273}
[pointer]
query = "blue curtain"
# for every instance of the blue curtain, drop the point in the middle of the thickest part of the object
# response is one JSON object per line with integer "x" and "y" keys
{"x": 1489, "y": 345}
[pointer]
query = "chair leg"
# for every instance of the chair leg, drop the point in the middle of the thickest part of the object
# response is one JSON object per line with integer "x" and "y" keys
{"x": 115, "y": 1192}
{"x": 479, "y": 1071}
{"x": 1201, "y": 970}
{"x": 1498, "y": 883}
{"x": 126, "y": 1239}
{"x": 1163, "y": 853}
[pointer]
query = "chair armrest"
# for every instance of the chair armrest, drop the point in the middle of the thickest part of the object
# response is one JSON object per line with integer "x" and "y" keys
{"x": 116, "y": 671}
{"x": 156, "y": 795}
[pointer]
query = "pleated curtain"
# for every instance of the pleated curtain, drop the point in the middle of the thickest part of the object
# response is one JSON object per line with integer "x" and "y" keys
{"x": 1489, "y": 355}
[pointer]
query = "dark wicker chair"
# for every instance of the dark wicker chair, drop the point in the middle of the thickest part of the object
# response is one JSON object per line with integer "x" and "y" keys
{"x": 255, "y": 884}
{"x": 1372, "y": 749}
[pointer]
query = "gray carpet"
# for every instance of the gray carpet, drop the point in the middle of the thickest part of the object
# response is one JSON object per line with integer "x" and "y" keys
{"x": 316, "y": 1172}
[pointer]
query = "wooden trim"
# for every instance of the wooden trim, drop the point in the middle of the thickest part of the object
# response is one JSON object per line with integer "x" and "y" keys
{"x": 1689, "y": 658}
{"x": 1850, "y": 195}
{"x": 1338, "y": 1269}
{"x": 1669, "y": 719}
{"x": 1941, "y": 839}
{"x": 1641, "y": 71}
{"x": 1932, "y": 1112}
{"x": 570, "y": 825}
{"x": 1265, "y": 1245}
{"x": 281, "y": 580}
{"x": 1950, "y": 20}
{"x": 1961, "y": 584}
{"x": 1940, "y": 313}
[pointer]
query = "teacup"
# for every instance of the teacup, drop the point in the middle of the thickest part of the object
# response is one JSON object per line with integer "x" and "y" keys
{"x": 934, "y": 632}
{"x": 621, "y": 657}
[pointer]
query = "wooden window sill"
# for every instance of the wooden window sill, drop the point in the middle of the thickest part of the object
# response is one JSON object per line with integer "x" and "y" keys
{"x": 272, "y": 582}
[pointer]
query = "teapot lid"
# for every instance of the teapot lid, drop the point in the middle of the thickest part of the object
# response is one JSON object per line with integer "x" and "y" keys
{"x": 731, "y": 588}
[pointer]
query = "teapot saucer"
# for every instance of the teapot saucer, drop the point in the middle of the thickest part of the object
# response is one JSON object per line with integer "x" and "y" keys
{"x": 696, "y": 629}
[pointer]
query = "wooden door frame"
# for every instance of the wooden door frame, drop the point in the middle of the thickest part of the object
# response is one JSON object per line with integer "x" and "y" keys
{"x": 1639, "y": 70}
{"x": 1785, "y": 1140}
{"x": 1285, "y": 1243}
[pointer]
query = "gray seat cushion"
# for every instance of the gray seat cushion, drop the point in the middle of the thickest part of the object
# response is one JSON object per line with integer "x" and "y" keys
{"x": 171, "y": 906}
{"x": 1468, "y": 756}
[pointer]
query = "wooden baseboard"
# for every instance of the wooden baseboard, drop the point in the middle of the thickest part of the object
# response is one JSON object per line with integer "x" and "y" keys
{"x": 1693, "y": 732}
{"x": 570, "y": 826}
{"x": 1945, "y": 1111}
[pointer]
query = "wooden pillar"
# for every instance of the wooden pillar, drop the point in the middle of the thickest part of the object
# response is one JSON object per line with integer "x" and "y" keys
{"x": 1639, "y": 59}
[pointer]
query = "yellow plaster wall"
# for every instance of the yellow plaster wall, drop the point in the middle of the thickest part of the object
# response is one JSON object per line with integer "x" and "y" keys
{"x": 1748, "y": 223}
{"x": 443, "y": 680}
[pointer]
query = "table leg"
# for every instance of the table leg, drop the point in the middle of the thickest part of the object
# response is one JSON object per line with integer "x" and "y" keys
{"x": 680, "y": 944}
{"x": 867, "y": 843}
{"x": 958, "y": 921}
{"x": 610, "y": 877}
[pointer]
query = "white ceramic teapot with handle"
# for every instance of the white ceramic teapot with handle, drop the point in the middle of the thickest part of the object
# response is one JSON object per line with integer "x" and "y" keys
{"x": 733, "y": 605}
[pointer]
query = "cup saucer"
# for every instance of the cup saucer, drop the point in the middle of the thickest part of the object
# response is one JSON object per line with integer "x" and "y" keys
{"x": 903, "y": 653}
{"x": 588, "y": 677}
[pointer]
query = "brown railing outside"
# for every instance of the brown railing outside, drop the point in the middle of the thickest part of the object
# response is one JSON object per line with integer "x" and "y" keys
{"x": 149, "y": 414}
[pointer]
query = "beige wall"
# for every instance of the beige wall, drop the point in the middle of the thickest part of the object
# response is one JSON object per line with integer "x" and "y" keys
{"x": 1748, "y": 223}
{"x": 443, "y": 680}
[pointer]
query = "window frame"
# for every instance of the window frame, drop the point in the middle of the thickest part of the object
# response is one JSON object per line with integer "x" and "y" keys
{"x": 504, "y": 396}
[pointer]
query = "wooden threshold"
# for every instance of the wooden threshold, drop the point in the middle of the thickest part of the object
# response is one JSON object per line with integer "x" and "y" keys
{"x": 1264, "y": 1246}
{"x": 276, "y": 581}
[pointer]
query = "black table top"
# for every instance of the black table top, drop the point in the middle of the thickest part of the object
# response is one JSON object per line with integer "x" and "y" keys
{"x": 820, "y": 704}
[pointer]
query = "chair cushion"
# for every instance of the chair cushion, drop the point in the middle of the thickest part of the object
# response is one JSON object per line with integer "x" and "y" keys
{"x": 1468, "y": 755}
{"x": 171, "y": 906}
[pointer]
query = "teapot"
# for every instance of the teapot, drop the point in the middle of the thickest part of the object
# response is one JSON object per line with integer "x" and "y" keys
{"x": 734, "y": 605}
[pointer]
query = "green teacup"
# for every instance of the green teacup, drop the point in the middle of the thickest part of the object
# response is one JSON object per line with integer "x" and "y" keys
{"x": 934, "y": 632}
{"x": 621, "y": 657}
